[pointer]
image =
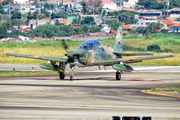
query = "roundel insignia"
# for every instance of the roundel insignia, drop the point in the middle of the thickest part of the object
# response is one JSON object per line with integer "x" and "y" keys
{"x": 118, "y": 36}
{"x": 114, "y": 56}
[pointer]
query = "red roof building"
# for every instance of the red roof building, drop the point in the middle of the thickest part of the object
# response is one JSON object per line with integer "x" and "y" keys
{"x": 45, "y": 19}
{"x": 175, "y": 28}
{"x": 167, "y": 22}
{"x": 37, "y": 38}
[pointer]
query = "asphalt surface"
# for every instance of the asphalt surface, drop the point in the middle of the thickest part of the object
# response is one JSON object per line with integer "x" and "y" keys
{"x": 93, "y": 94}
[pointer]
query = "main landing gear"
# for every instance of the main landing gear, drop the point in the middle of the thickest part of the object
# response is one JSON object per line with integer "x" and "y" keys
{"x": 118, "y": 75}
{"x": 62, "y": 71}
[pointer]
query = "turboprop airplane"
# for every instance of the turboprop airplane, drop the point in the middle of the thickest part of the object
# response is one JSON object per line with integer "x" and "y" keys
{"x": 93, "y": 53}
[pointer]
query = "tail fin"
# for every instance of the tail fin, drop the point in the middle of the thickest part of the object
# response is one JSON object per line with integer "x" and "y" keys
{"x": 118, "y": 46}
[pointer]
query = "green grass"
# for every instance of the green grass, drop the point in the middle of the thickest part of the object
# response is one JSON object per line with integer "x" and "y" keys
{"x": 55, "y": 49}
{"x": 166, "y": 89}
{"x": 25, "y": 73}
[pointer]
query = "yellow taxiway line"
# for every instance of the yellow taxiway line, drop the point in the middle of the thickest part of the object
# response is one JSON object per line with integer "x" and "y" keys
{"x": 150, "y": 92}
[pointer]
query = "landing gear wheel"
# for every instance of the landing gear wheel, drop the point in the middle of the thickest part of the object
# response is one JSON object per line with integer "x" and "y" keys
{"x": 118, "y": 75}
{"x": 61, "y": 75}
{"x": 71, "y": 77}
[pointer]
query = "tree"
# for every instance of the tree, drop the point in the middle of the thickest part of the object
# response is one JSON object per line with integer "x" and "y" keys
{"x": 1, "y": 9}
{"x": 16, "y": 15}
{"x": 174, "y": 3}
{"x": 143, "y": 30}
{"x": 35, "y": 15}
{"x": 164, "y": 31}
{"x": 133, "y": 31}
{"x": 155, "y": 48}
{"x": 88, "y": 20}
{"x": 127, "y": 17}
{"x": 75, "y": 21}
{"x": 5, "y": 2}
{"x": 29, "y": 16}
{"x": 153, "y": 27}
{"x": 53, "y": 16}
{"x": 3, "y": 32}
{"x": 113, "y": 24}
{"x": 85, "y": 28}
{"x": 149, "y": 4}
{"x": 92, "y": 6}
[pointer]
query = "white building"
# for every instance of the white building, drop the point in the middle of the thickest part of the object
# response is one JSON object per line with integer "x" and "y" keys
{"x": 21, "y": 1}
{"x": 105, "y": 28}
{"x": 129, "y": 3}
{"x": 111, "y": 6}
{"x": 145, "y": 21}
{"x": 175, "y": 13}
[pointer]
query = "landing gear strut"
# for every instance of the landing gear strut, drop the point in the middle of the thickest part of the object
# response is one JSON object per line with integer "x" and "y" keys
{"x": 61, "y": 75}
{"x": 72, "y": 69}
{"x": 118, "y": 75}
{"x": 62, "y": 71}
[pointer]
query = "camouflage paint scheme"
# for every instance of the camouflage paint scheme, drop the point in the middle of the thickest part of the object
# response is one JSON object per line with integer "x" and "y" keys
{"x": 93, "y": 53}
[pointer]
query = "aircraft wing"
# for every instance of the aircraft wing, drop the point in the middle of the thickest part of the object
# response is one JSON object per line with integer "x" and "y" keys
{"x": 128, "y": 60}
{"x": 56, "y": 59}
{"x": 133, "y": 53}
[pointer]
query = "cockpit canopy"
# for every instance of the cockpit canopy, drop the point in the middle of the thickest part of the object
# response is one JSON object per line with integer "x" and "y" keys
{"x": 90, "y": 44}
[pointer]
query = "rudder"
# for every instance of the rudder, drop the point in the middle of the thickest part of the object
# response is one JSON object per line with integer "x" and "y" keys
{"x": 118, "y": 46}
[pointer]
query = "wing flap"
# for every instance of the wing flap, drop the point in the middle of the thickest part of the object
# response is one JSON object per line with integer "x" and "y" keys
{"x": 132, "y": 53}
{"x": 57, "y": 59}
{"x": 129, "y": 60}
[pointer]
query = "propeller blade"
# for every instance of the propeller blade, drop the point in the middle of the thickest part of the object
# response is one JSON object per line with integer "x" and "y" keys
{"x": 64, "y": 45}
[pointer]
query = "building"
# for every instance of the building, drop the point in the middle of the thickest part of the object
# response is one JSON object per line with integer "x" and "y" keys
{"x": 21, "y": 8}
{"x": 166, "y": 23}
{"x": 105, "y": 28}
{"x": 129, "y": 3}
{"x": 175, "y": 28}
{"x": 21, "y": 1}
{"x": 33, "y": 23}
{"x": 175, "y": 13}
{"x": 97, "y": 18}
{"x": 145, "y": 21}
{"x": 150, "y": 13}
{"x": 111, "y": 6}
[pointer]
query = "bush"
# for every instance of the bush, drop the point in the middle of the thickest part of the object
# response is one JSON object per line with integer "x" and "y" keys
{"x": 164, "y": 31}
{"x": 155, "y": 48}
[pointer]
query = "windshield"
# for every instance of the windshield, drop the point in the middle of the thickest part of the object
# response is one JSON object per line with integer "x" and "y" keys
{"x": 90, "y": 44}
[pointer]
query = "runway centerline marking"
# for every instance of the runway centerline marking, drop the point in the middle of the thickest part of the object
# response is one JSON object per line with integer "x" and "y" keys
{"x": 153, "y": 93}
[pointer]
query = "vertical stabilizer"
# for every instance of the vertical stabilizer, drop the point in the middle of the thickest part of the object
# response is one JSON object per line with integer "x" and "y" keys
{"x": 118, "y": 46}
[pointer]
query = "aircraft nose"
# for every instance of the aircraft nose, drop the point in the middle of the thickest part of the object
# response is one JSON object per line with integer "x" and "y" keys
{"x": 75, "y": 53}
{"x": 70, "y": 55}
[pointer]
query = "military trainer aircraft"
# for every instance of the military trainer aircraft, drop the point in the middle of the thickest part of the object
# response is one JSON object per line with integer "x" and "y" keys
{"x": 93, "y": 53}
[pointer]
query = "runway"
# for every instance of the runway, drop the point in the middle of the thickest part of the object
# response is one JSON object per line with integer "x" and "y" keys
{"x": 93, "y": 94}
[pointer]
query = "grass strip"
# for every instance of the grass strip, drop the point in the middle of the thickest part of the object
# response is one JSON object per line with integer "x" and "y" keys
{"x": 25, "y": 73}
{"x": 166, "y": 89}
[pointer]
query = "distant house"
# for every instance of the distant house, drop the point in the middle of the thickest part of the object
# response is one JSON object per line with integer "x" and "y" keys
{"x": 175, "y": 13}
{"x": 166, "y": 23}
{"x": 145, "y": 21}
{"x": 97, "y": 18}
{"x": 33, "y": 23}
{"x": 127, "y": 27}
{"x": 38, "y": 38}
{"x": 22, "y": 8}
{"x": 105, "y": 28}
{"x": 150, "y": 13}
{"x": 175, "y": 28}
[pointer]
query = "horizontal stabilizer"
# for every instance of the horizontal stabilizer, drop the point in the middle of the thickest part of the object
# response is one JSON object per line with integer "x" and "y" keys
{"x": 132, "y": 53}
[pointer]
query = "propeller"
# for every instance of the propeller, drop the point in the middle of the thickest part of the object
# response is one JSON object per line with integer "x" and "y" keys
{"x": 65, "y": 45}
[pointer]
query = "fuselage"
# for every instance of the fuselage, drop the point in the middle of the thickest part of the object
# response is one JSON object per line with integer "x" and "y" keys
{"x": 89, "y": 52}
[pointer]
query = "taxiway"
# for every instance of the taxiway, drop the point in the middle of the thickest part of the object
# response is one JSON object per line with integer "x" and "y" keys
{"x": 93, "y": 94}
